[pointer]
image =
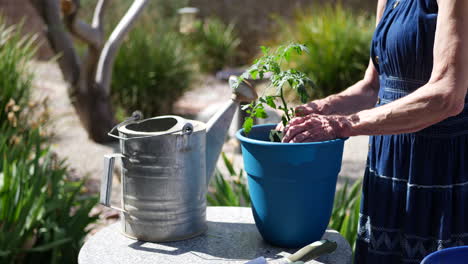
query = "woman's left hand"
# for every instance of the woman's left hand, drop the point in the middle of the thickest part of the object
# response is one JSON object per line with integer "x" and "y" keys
{"x": 313, "y": 127}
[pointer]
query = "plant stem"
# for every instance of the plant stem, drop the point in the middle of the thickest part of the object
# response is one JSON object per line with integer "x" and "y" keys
{"x": 285, "y": 105}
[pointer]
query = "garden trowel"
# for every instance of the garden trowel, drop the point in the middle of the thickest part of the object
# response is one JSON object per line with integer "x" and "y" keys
{"x": 304, "y": 254}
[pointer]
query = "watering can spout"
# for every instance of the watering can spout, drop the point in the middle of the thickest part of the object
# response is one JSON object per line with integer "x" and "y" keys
{"x": 218, "y": 125}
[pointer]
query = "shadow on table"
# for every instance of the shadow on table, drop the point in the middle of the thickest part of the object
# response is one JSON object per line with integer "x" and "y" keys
{"x": 233, "y": 241}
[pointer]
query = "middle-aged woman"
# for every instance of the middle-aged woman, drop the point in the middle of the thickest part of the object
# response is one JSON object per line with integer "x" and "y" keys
{"x": 415, "y": 190}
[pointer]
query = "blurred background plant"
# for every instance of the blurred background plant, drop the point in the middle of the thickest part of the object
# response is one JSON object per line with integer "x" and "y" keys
{"x": 153, "y": 67}
{"x": 156, "y": 64}
{"x": 43, "y": 214}
{"x": 228, "y": 190}
{"x": 214, "y": 44}
{"x": 345, "y": 215}
{"x": 152, "y": 70}
{"x": 338, "y": 39}
{"x": 15, "y": 80}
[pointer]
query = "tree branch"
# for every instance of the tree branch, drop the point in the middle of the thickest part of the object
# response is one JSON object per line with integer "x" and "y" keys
{"x": 86, "y": 33}
{"x": 98, "y": 17}
{"x": 59, "y": 40}
{"x": 109, "y": 52}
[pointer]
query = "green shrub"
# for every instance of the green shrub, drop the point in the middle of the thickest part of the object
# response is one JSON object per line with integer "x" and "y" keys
{"x": 338, "y": 40}
{"x": 43, "y": 215}
{"x": 151, "y": 71}
{"x": 229, "y": 192}
{"x": 214, "y": 44}
{"x": 152, "y": 68}
{"x": 345, "y": 214}
{"x": 15, "y": 80}
{"x": 156, "y": 63}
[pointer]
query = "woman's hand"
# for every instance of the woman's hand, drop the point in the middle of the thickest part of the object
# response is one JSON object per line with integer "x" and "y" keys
{"x": 313, "y": 127}
{"x": 314, "y": 107}
{"x": 321, "y": 107}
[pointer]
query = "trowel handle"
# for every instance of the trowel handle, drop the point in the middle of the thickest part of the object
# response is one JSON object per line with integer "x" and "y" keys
{"x": 106, "y": 180}
{"x": 313, "y": 250}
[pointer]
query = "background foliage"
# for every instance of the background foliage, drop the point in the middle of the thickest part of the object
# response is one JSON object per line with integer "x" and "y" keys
{"x": 156, "y": 63}
{"x": 43, "y": 214}
{"x": 151, "y": 72}
{"x": 228, "y": 190}
{"x": 153, "y": 67}
{"x": 15, "y": 81}
{"x": 345, "y": 215}
{"x": 338, "y": 40}
{"x": 214, "y": 44}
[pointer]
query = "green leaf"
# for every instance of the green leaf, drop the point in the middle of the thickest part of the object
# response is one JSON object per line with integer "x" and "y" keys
{"x": 51, "y": 245}
{"x": 287, "y": 55}
{"x": 254, "y": 74}
{"x": 228, "y": 164}
{"x": 212, "y": 201}
{"x": 260, "y": 113}
{"x": 270, "y": 101}
{"x": 248, "y": 123}
{"x": 276, "y": 136}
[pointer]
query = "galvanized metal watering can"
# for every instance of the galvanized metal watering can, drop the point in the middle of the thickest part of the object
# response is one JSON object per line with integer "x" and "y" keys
{"x": 167, "y": 163}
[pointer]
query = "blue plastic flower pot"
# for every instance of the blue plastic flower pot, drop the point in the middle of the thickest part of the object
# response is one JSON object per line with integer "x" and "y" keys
{"x": 292, "y": 186}
{"x": 454, "y": 255}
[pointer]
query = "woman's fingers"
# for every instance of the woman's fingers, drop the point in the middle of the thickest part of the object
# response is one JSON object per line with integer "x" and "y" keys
{"x": 299, "y": 125}
{"x": 307, "y": 109}
{"x": 279, "y": 126}
{"x": 312, "y": 135}
{"x": 292, "y": 131}
{"x": 297, "y": 120}
{"x": 301, "y": 137}
{"x": 302, "y": 110}
{"x": 314, "y": 128}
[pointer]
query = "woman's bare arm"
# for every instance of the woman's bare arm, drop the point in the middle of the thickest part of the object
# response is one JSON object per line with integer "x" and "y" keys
{"x": 357, "y": 97}
{"x": 443, "y": 96}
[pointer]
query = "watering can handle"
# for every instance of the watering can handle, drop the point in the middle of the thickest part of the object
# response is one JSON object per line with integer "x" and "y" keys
{"x": 106, "y": 181}
{"x": 187, "y": 129}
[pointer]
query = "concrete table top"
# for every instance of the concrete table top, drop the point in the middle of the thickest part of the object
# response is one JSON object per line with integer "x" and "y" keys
{"x": 232, "y": 237}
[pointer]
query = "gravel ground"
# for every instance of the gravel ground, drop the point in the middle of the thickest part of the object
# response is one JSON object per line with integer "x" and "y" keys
{"x": 85, "y": 157}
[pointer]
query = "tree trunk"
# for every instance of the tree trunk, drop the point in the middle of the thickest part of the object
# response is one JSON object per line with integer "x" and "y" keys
{"x": 95, "y": 112}
{"x": 89, "y": 82}
{"x": 91, "y": 101}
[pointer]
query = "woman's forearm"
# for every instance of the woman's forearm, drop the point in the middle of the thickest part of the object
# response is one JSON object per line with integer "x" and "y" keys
{"x": 360, "y": 96}
{"x": 424, "y": 107}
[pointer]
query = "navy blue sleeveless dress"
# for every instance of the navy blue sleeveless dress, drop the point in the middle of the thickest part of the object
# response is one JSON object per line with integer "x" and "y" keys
{"x": 415, "y": 189}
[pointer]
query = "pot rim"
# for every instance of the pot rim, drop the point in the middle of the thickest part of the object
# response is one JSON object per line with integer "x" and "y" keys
{"x": 241, "y": 137}
{"x": 441, "y": 252}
